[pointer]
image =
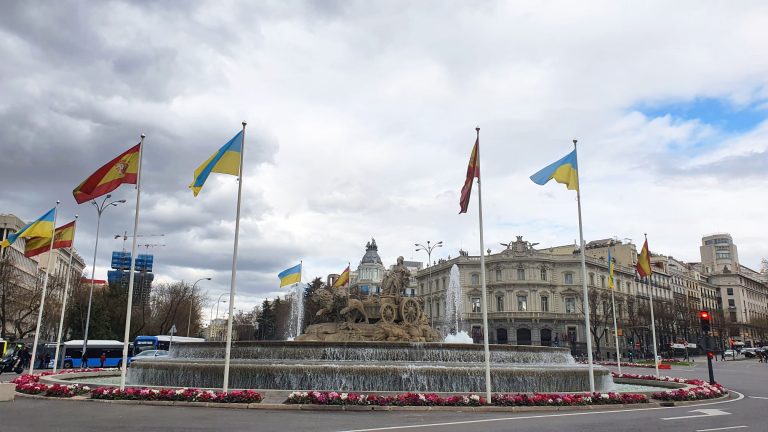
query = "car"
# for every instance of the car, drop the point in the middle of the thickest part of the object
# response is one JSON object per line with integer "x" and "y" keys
{"x": 730, "y": 353}
{"x": 749, "y": 352}
{"x": 148, "y": 354}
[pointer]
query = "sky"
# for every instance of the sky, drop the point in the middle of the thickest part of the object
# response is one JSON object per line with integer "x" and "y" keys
{"x": 361, "y": 118}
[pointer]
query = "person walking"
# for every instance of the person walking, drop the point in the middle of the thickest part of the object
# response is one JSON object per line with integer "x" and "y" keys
{"x": 84, "y": 361}
{"x": 102, "y": 359}
{"x": 722, "y": 355}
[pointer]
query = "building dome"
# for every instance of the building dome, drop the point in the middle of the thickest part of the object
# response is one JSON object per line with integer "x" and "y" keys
{"x": 371, "y": 253}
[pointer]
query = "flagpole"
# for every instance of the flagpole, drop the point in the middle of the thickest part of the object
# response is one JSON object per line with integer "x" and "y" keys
{"x": 482, "y": 283}
{"x": 232, "y": 289}
{"x": 64, "y": 300}
{"x": 615, "y": 327}
{"x": 653, "y": 320}
{"x": 129, "y": 307}
{"x": 45, "y": 290}
{"x": 584, "y": 285}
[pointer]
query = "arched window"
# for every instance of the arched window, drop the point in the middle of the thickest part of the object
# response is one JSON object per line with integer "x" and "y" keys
{"x": 592, "y": 279}
{"x": 568, "y": 278}
{"x": 521, "y": 274}
{"x": 543, "y": 274}
{"x": 500, "y": 303}
{"x": 602, "y": 281}
{"x": 498, "y": 275}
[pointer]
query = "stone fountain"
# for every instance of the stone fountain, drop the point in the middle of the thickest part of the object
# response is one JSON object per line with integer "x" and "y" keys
{"x": 373, "y": 343}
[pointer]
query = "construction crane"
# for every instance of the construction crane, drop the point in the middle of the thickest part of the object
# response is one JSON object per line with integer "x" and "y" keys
{"x": 125, "y": 237}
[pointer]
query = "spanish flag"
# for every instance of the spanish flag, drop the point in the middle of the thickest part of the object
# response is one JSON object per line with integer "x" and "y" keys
{"x": 473, "y": 170}
{"x": 644, "y": 261}
{"x": 42, "y": 227}
{"x": 290, "y": 276}
{"x": 122, "y": 169}
{"x": 61, "y": 239}
{"x": 564, "y": 171}
{"x": 224, "y": 161}
{"x": 343, "y": 279}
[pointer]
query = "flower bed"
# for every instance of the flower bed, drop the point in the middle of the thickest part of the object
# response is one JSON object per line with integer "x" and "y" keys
{"x": 55, "y": 390}
{"x": 704, "y": 391}
{"x": 181, "y": 395}
{"x": 696, "y": 382}
{"x": 405, "y": 399}
{"x": 628, "y": 364}
{"x": 557, "y": 399}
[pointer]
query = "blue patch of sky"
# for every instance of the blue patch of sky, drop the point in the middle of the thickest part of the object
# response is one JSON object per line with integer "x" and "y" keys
{"x": 719, "y": 113}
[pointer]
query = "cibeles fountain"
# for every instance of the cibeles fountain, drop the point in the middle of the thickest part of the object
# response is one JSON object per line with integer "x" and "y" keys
{"x": 376, "y": 342}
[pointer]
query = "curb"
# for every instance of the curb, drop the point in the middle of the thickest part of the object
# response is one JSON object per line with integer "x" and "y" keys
{"x": 358, "y": 408}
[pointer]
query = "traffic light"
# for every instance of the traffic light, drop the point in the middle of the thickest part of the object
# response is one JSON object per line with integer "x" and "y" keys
{"x": 704, "y": 319}
{"x": 710, "y": 355}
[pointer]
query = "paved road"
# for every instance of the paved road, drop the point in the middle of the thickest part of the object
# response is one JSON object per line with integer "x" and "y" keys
{"x": 749, "y": 378}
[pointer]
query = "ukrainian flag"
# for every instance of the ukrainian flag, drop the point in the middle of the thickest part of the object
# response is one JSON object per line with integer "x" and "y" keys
{"x": 224, "y": 161}
{"x": 611, "y": 283}
{"x": 564, "y": 171}
{"x": 290, "y": 276}
{"x": 42, "y": 227}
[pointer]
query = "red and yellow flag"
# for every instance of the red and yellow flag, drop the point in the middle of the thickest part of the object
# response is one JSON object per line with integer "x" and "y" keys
{"x": 343, "y": 279}
{"x": 63, "y": 237}
{"x": 644, "y": 261}
{"x": 122, "y": 169}
{"x": 473, "y": 170}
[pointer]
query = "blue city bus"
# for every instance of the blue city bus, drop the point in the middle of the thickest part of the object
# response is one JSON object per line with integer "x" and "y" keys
{"x": 71, "y": 353}
{"x": 162, "y": 342}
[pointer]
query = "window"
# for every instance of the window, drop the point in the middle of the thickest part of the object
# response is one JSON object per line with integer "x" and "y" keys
{"x": 592, "y": 279}
{"x": 544, "y": 304}
{"x": 475, "y": 279}
{"x": 476, "y": 304}
{"x": 730, "y": 291}
{"x": 437, "y": 310}
{"x": 520, "y": 274}
{"x": 543, "y": 274}
{"x": 723, "y": 255}
{"x": 498, "y": 275}
{"x": 602, "y": 281}
{"x": 568, "y": 278}
{"x": 570, "y": 305}
{"x": 522, "y": 303}
{"x": 731, "y": 303}
{"x": 500, "y": 303}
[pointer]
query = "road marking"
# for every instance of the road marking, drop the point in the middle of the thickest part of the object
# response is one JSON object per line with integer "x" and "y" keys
{"x": 758, "y": 397}
{"x": 704, "y": 413}
{"x": 498, "y": 419}
{"x": 722, "y": 428}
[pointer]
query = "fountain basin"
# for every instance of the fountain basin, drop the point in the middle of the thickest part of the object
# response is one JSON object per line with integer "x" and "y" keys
{"x": 366, "y": 366}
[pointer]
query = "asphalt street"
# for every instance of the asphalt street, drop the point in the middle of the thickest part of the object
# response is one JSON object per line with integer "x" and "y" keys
{"x": 747, "y": 413}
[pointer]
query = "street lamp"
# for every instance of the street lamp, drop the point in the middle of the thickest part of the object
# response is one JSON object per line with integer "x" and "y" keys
{"x": 99, "y": 210}
{"x": 191, "y": 295}
{"x": 428, "y": 249}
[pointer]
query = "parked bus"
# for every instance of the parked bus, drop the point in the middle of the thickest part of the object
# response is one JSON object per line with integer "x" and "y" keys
{"x": 163, "y": 342}
{"x": 71, "y": 353}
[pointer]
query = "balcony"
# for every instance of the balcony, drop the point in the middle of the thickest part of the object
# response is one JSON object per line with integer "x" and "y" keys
{"x": 503, "y": 315}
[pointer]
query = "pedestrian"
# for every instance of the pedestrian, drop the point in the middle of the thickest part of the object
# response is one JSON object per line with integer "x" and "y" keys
{"x": 102, "y": 359}
{"x": 47, "y": 359}
{"x": 722, "y": 355}
{"x": 84, "y": 361}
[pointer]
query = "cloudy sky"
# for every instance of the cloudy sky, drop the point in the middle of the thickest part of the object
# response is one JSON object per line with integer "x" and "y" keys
{"x": 361, "y": 118}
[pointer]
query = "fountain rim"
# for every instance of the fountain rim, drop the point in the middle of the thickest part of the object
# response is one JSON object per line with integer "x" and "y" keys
{"x": 377, "y": 345}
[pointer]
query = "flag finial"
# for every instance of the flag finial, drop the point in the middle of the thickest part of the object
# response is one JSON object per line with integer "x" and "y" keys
{"x": 143, "y": 136}
{"x": 245, "y": 123}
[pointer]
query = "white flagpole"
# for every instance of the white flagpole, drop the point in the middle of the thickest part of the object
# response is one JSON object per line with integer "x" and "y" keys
{"x": 129, "y": 307}
{"x": 615, "y": 327}
{"x": 64, "y": 301}
{"x": 482, "y": 282}
{"x": 653, "y": 320}
{"x": 232, "y": 289}
{"x": 45, "y": 290}
{"x": 584, "y": 285}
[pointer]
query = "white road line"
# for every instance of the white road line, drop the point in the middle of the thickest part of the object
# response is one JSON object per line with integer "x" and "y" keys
{"x": 466, "y": 422}
{"x": 722, "y": 428}
{"x": 704, "y": 413}
{"x": 758, "y": 397}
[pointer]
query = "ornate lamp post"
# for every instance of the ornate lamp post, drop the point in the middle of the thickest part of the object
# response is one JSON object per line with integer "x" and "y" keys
{"x": 189, "y": 321}
{"x": 428, "y": 249}
{"x": 99, "y": 210}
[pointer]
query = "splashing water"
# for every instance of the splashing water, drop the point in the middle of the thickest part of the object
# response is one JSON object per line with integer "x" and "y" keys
{"x": 455, "y": 305}
{"x": 461, "y": 337}
{"x": 295, "y": 325}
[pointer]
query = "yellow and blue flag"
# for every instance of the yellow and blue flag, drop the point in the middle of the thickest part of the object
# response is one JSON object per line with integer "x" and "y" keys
{"x": 42, "y": 227}
{"x": 290, "y": 276}
{"x": 611, "y": 283}
{"x": 224, "y": 161}
{"x": 564, "y": 171}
